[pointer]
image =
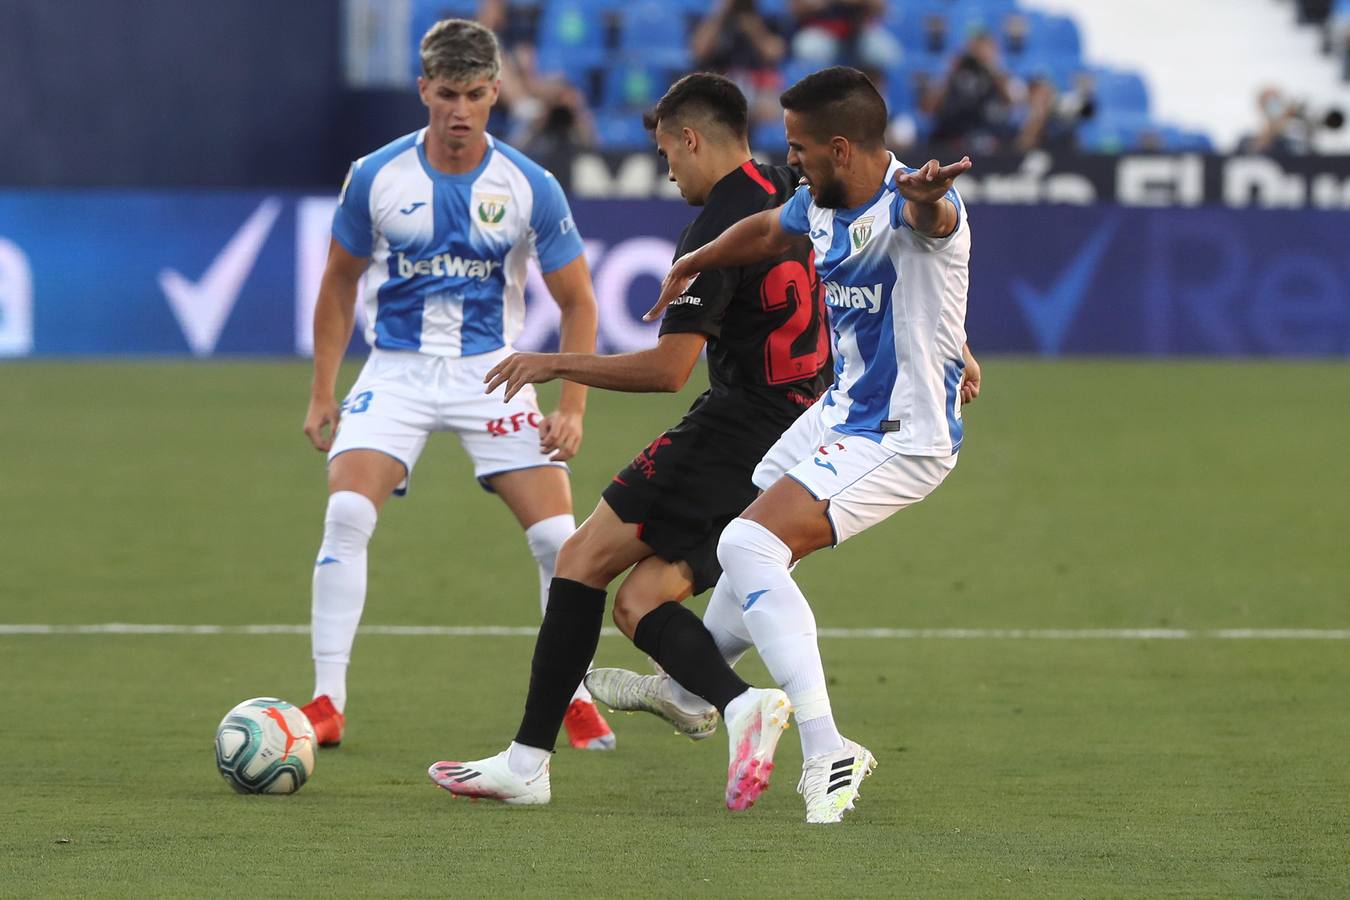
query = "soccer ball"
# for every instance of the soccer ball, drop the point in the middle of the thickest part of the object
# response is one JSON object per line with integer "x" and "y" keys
{"x": 265, "y": 746}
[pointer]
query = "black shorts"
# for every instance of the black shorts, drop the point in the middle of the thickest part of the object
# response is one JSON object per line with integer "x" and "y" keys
{"x": 684, "y": 489}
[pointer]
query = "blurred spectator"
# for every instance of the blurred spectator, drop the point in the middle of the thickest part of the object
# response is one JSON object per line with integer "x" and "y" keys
{"x": 735, "y": 36}
{"x": 902, "y": 125}
{"x": 562, "y": 125}
{"x": 1049, "y": 119}
{"x": 737, "y": 41}
{"x": 972, "y": 113}
{"x": 1337, "y": 33}
{"x": 543, "y": 113}
{"x": 831, "y": 32}
{"x": 1284, "y": 129}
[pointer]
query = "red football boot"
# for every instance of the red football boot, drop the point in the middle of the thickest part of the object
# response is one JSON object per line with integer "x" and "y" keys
{"x": 586, "y": 728}
{"x": 327, "y": 721}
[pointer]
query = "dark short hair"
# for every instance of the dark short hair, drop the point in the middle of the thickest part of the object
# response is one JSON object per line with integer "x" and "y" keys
{"x": 839, "y": 101}
{"x": 701, "y": 94}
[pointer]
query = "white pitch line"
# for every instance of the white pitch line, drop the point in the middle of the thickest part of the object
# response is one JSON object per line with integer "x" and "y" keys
{"x": 997, "y": 634}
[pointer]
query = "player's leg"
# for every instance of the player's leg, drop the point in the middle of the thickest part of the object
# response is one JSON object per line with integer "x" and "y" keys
{"x": 383, "y": 429}
{"x": 847, "y": 485}
{"x": 601, "y": 549}
{"x": 786, "y": 523}
{"x": 358, "y": 483}
{"x": 540, "y": 497}
{"x": 649, "y": 610}
{"x": 378, "y": 440}
{"x": 726, "y": 623}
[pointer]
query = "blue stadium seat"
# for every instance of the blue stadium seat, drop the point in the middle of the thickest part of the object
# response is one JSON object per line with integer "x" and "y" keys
{"x": 573, "y": 29}
{"x": 1059, "y": 70}
{"x": 581, "y": 70}
{"x": 907, "y": 24}
{"x": 1181, "y": 140}
{"x": 901, "y": 91}
{"x": 991, "y": 7}
{"x": 426, "y": 13}
{"x": 649, "y": 32}
{"x": 621, "y": 131}
{"x": 795, "y": 70}
{"x": 1106, "y": 133}
{"x": 634, "y": 86}
{"x": 769, "y": 137}
{"x": 1055, "y": 36}
{"x": 1121, "y": 92}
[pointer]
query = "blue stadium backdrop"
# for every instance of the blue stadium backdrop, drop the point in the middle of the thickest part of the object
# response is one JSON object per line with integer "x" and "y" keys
{"x": 235, "y": 273}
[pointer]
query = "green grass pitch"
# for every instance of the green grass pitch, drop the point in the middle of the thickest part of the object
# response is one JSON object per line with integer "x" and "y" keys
{"x": 1091, "y": 495}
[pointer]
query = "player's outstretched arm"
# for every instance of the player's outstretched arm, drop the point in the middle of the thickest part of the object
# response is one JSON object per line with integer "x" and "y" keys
{"x": 560, "y": 432}
{"x": 750, "y": 240}
{"x": 334, "y": 314}
{"x": 665, "y": 367}
{"x": 926, "y": 209}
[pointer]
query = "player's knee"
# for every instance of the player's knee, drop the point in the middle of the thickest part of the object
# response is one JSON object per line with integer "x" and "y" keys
{"x": 348, "y": 523}
{"x": 590, "y": 557}
{"x": 631, "y": 605}
{"x": 625, "y": 615}
{"x": 743, "y": 540}
{"x": 547, "y": 537}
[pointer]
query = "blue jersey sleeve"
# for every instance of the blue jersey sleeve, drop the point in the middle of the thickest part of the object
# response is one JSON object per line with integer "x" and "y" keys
{"x": 556, "y": 240}
{"x": 351, "y": 222}
{"x": 793, "y": 217}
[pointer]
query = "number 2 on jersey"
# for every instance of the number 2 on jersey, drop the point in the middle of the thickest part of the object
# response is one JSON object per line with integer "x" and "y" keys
{"x": 789, "y": 284}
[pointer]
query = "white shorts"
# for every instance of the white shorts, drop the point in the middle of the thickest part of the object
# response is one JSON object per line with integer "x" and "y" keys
{"x": 401, "y": 397}
{"x": 864, "y": 482}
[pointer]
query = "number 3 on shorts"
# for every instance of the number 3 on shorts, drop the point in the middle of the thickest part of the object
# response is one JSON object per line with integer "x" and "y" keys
{"x": 358, "y": 404}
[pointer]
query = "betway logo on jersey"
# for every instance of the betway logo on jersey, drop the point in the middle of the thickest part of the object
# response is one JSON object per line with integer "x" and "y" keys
{"x": 851, "y": 297}
{"x": 448, "y": 265}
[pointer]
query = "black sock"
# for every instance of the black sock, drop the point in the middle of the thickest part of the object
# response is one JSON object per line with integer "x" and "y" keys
{"x": 562, "y": 652}
{"x": 681, "y": 644}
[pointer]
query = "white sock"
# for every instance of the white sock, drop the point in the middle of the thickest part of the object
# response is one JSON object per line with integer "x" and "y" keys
{"x": 819, "y": 736}
{"x": 546, "y": 538}
{"x": 780, "y": 620}
{"x": 339, "y": 590}
{"x": 723, "y": 620}
{"x": 523, "y": 760}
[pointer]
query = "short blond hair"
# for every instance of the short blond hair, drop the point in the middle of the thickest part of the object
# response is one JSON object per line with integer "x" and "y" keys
{"x": 460, "y": 51}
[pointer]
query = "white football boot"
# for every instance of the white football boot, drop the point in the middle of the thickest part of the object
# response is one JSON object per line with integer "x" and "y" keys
{"x": 626, "y": 691}
{"x": 753, "y": 732}
{"x": 492, "y": 779}
{"x": 830, "y": 782}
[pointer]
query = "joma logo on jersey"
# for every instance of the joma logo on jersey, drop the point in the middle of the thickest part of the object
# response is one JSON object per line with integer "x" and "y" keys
{"x": 861, "y": 232}
{"x": 850, "y": 297}
{"x": 492, "y": 209}
{"x": 448, "y": 265}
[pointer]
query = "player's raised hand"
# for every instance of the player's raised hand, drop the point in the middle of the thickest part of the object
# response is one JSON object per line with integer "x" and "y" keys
{"x": 560, "y": 435}
{"x": 321, "y": 422}
{"x": 520, "y": 369}
{"x": 677, "y": 280}
{"x": 929, "y": 182}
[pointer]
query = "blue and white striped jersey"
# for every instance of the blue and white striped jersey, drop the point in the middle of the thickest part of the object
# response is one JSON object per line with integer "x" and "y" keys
{"x": 448, "y": 252}
{"x": 896, "y": 301}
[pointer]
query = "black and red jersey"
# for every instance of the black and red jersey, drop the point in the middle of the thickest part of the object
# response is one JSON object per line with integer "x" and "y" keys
{"x": 768, "y": 342}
